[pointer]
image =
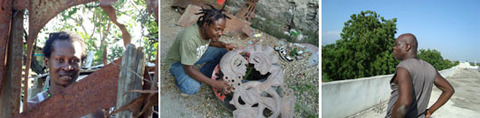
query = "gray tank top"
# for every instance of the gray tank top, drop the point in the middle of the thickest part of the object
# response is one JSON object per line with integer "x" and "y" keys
{"x": 423, "y": 75}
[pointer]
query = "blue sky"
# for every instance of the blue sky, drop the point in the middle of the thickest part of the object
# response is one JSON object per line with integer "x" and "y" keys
{"x": 449, "y": 26}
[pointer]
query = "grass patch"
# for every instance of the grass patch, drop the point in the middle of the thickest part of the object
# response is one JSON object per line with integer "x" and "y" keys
{"x": 300, "y": 106}
{"x": 306, "y": 112}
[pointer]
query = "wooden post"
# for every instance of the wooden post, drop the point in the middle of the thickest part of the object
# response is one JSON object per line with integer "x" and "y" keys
{"x": 10, "y": 97}
{"x": 130, "y": 78}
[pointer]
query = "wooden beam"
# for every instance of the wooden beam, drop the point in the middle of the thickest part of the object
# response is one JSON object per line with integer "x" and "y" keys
{"x": 130, "y": 78}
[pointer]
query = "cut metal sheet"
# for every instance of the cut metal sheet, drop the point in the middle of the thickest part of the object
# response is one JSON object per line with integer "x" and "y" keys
{"x": 95, "y": 92}
{"x": 40, "y": 12}
{"x": 268, "y": 98}
{"x": 247, "y": 11}
{"x": 5, "y": 21}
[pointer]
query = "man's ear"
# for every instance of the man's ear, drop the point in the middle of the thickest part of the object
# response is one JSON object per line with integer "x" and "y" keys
{"x": 408, "y": 47}
{"x": 204, "y": 25}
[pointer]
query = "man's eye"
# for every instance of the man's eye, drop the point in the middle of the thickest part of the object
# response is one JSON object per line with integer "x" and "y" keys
{"x": 75, "y": 61}
{"x": 60, "y": 60}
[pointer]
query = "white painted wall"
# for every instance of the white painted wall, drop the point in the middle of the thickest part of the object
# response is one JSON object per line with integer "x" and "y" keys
{"x": 344, "y": 98}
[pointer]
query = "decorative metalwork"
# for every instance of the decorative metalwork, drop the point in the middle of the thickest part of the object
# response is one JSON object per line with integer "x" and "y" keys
{"x": 262, "y": 98}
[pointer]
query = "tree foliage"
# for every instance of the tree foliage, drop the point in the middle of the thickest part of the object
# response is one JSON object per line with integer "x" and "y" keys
{"x": 365, "y": 48}
{"x": 91, "y": 23}
{"x": 435, "y": 58}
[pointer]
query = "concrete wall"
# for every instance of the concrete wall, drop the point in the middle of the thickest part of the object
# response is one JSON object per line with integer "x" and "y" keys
{"x": 344, "y": 98}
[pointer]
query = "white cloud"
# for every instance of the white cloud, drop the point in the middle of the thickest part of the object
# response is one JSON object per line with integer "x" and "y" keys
{"x": 329, "y": 37}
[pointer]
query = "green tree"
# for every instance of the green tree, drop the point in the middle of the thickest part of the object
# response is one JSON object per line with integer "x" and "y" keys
{"x": 435, "y": 58}
{"x": 365, "y": 48}
{"x": 91, "y": 23}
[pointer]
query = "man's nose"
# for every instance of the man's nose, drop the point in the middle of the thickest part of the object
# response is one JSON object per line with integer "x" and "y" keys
{"x": 67, "y": 67}
{"x": 220, "y": 33}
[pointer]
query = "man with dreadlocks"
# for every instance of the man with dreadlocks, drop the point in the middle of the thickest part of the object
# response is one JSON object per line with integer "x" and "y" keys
{"x": 197, "y": 44}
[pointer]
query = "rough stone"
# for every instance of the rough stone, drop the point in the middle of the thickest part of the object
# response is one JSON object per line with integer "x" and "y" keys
{"x": 300, "y": 14}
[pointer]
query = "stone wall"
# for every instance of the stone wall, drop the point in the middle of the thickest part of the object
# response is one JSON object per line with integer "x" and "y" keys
{"x": 298, "y": 14}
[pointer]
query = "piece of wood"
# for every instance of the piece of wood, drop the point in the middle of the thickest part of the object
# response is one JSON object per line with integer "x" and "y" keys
{"x": 130, "y": 78}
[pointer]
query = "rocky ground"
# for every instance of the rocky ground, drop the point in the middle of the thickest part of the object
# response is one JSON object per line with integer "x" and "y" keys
{"x": 299, "y": 75}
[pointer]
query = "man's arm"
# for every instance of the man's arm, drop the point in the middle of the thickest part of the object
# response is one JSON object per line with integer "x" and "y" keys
{"x": 199, "y": 76}
{"x": 404, "y": 100}
{"x": 447, "y": 92}
{"x": 221, "y": 44}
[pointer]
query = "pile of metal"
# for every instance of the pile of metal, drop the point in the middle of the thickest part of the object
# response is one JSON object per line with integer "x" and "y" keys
{"x": 256, "y": 99}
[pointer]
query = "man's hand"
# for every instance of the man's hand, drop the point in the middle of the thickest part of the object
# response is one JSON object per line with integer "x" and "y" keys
{"x": 197, "y": 75}
{"x": 222, "y": 86}
{"x": 221, "y": 44}
{"x": 447, "y": 92}
{"x": 427, "y": 114}
{"x": 230, "y": 47}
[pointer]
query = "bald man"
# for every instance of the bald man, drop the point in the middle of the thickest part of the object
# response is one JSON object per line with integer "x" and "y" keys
{"x": 413, "y": 81}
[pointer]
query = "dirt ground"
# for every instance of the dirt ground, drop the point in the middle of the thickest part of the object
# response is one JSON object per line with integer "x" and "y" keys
{"x": 463, "y": 104}
{"x": 299, "y": 76}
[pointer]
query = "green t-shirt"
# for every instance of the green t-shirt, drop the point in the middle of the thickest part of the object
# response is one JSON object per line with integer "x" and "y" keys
{"x": 188, "y": 47}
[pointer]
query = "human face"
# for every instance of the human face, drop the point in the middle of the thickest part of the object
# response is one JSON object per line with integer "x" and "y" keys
{"x": 399, "y": 49}
{"x": 64, "y": 62}
{"x": 214, "y": 30}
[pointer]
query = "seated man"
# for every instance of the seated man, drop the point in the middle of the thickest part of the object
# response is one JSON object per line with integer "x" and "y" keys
{"x": 64, "y": 52}
{"x": 197, "y": 44}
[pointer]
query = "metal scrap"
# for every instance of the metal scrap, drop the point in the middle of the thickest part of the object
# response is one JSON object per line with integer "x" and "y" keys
{"x": 41, "y": 11}
{"x": 270, "y": 98}
{"x": 81, "y": 98}
{"x": 5, "y": 19}
{"x": 152, "y": 7}
{"x": 107, "y": 7}
{"x": 183, "y": 4}
{"x": 247, "y": 12}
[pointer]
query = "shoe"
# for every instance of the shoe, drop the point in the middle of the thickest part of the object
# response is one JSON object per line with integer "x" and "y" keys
{"x": 184, "y": 95}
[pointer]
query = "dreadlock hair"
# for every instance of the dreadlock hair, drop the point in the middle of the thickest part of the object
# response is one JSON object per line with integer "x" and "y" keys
{"x": 210, "y": 15}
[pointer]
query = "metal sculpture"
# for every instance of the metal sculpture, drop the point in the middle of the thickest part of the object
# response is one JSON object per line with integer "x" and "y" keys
{"x": 270, "y": 98}
{"x": 40, "y": 12}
